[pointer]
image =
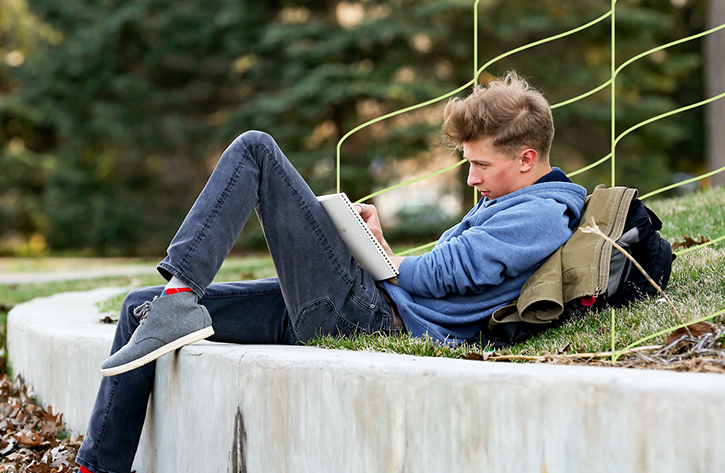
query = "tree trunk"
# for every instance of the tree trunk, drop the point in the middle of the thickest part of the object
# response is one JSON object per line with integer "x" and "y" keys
{"x": 714, "y": 85}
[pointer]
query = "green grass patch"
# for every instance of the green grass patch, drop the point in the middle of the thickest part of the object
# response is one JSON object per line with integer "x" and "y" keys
{"x": 394, "y": 343}
{"x": 36, "y": 264}
{"x": 693, "y": 215}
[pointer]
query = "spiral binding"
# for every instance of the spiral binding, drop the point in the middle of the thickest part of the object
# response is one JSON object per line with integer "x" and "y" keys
{"x": 370, "y": 235}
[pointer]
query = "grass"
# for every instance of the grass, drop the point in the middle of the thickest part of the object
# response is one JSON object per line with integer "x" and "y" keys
{"x": 697, "y": 287}
{"x": 29, "y": 264}
{"x": 693, "y": 215}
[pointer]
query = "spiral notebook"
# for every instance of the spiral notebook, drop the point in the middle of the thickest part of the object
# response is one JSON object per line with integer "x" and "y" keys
{"x": 353, "y": 230}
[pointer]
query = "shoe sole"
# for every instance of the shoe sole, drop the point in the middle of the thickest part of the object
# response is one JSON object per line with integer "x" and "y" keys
{"x": 159, "y": 352}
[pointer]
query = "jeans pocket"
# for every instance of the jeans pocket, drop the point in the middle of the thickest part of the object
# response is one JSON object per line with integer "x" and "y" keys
{"x": 320, "y": 317}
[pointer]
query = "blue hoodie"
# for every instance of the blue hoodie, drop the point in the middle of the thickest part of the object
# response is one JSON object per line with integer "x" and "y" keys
{"x": 483, "y": 262}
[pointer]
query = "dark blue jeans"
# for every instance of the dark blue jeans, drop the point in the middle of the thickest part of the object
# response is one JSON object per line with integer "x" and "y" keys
{"x": 319, "y": 289}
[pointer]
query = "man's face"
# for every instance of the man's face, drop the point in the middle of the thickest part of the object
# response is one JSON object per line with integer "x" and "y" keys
{"x": 491, "y": 172}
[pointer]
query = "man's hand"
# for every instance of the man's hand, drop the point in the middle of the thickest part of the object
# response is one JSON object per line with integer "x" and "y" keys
{"x": 369, "y": 214}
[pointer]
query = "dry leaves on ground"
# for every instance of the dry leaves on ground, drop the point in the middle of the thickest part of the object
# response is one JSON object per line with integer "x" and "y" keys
{"x": 29, "y": 434}
{"x": 700, "y": 350}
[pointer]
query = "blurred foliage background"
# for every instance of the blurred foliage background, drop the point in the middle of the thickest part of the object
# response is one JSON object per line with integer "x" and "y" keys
{"x": 113, "y": 113}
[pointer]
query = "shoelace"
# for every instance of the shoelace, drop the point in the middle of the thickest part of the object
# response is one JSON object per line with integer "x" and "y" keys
{"x": 142, "y": 310}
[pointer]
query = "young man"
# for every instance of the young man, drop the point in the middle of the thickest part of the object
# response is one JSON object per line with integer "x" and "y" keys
{"x": 527, "y": 211}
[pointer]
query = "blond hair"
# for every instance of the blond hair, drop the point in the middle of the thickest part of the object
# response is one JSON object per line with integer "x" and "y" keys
{"x": 511, "y": 111}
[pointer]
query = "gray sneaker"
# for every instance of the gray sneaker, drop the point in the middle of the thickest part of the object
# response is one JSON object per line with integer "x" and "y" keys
{"x": 167, "y": 323}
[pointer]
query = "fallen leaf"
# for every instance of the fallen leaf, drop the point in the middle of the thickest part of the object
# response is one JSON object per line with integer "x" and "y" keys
{"x": 30, "y": 441}
{"x": 696, "y": 329}
{"x": 7, "y": 447}
{"x": 473, "y": 356}
{"x": 689, "y": 242}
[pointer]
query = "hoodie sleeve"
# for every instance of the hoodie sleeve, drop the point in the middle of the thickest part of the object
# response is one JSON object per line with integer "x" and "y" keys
{"x": 512, "y": 241}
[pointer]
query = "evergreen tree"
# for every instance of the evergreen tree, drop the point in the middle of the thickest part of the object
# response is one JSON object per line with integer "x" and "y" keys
{"x": 135, "y": 92}
{"x": 126, "y": 110}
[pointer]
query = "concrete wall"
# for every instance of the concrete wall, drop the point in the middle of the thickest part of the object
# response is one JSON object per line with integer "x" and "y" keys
{"x": 229, "y": 408}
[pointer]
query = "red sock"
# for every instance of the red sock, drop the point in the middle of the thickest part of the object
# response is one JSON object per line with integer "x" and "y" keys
{"x": 175, "y": 290}
{"x": 85, "y": 470}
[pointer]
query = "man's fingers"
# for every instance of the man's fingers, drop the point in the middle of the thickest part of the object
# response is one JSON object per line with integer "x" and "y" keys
{"x": 364, "y": 209}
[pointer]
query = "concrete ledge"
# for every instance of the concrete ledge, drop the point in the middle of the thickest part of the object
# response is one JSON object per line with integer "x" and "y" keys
{"x": 232, "y": 408}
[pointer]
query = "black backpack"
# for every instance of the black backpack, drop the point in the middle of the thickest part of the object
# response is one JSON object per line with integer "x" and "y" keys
{"x": 642, "y": 240}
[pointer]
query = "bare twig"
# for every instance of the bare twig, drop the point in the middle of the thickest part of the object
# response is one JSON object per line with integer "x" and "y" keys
{"x": 592, "y": 227}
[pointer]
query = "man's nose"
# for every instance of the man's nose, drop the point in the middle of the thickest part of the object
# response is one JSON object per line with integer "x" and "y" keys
{"x": 474, "y": 178}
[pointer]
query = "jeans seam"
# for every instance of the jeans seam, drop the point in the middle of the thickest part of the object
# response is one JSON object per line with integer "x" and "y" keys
{"x": 237, "y": 294}
{"x": 318, "y": 301}
{"x": 365, "y": 305}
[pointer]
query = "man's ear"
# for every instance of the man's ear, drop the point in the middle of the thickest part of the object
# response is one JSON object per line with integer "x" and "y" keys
{"x": 528, "y": 159}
